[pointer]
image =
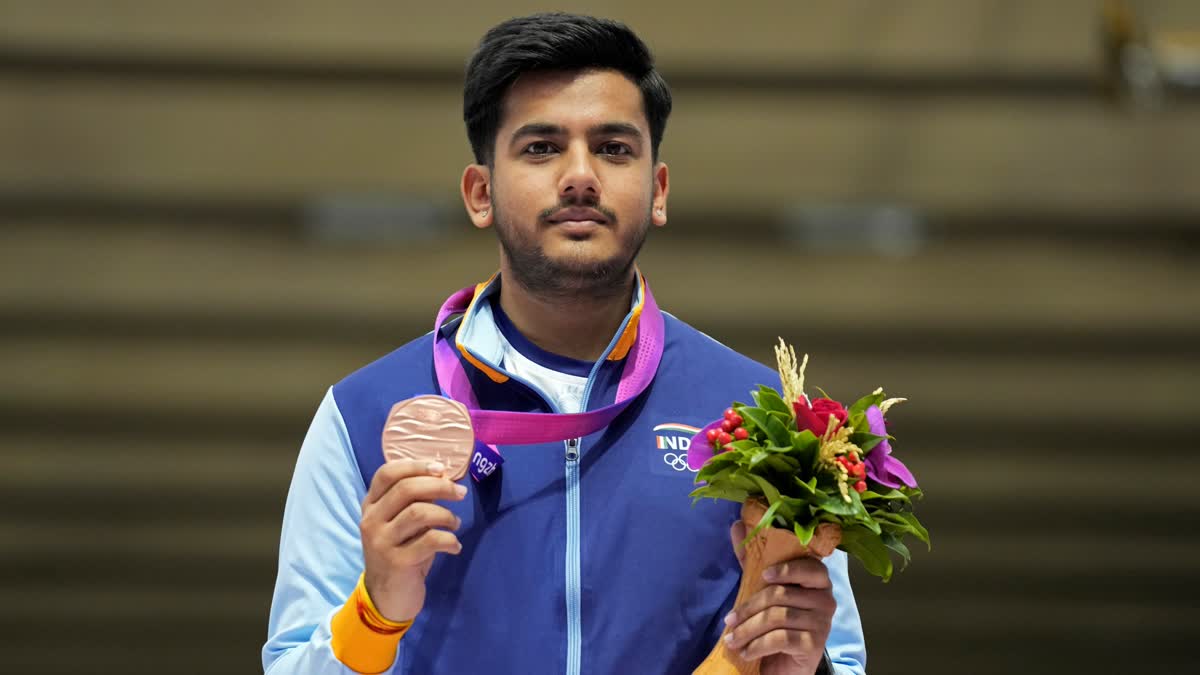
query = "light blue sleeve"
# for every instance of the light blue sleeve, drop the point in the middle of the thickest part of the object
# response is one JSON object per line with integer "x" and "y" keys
{"x": 320, "y": 553}
{"x": 846, "y": 646}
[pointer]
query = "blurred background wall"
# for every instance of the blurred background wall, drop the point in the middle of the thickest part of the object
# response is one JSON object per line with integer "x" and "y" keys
{"x": 213, "y": 210}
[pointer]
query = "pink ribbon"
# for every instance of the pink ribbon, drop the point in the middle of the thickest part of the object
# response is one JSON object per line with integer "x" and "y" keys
{"x": 498, "y": 427}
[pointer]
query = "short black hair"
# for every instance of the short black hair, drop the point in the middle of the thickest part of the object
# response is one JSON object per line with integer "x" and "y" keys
{"x": 549, "y": 42}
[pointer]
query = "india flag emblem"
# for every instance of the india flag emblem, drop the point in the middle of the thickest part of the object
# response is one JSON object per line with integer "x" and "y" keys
{"x": 674, "y": 436}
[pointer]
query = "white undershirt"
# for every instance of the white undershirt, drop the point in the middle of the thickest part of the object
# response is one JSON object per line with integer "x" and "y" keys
{"x": 565, "y": 391}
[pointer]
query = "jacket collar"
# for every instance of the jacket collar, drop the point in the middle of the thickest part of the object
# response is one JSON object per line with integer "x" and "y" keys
{"x": 479, "y": 341}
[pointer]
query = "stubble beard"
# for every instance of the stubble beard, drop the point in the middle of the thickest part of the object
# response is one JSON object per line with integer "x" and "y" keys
{"x": 569, "y": 276}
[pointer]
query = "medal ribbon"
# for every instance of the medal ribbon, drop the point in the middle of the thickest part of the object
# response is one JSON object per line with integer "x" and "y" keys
{"x": 498, "y": 427}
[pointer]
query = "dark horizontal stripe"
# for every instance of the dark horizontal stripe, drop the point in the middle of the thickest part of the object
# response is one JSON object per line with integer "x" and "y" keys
{"x": 281, "y": 216}
{"x": 949, "y": 340}
{"x": 912, "y": 651}
{"x": 381, "y": 334}
{"x": 207, "y": 508}
{"x": 293, "y": 216}
{"x": 160, "y": 574}
{"x": 960, "y": 585}
{"x": 920, "y": 427}
{"x": 1038, "y": 83}
{"x": 227, "y": 633}
{"x": 106, "y": 508}
{"x": 212, "y": 424}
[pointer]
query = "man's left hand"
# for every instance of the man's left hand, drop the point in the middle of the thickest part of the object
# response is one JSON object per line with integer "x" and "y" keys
{"x": 786, "y": 623}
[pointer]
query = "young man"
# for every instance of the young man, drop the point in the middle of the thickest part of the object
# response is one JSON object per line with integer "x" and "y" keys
{"x": 579, "y": 555}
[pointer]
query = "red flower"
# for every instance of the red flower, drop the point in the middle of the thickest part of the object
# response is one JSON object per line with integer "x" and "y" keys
{"x": 815, "y": 418}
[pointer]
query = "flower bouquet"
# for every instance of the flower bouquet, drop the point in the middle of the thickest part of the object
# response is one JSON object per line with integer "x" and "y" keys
{"x": 811, "y": 476}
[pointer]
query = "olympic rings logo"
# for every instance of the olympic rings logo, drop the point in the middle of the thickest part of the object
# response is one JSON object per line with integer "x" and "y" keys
{"x": 676, "y": 461}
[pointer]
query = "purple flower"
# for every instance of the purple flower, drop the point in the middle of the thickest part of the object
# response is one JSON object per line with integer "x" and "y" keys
{"x": 700, "y": 451}
{"x": 881, "y": 466}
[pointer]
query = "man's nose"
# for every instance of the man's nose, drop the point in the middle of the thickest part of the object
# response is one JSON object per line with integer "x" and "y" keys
{"x": 579, "y": 179}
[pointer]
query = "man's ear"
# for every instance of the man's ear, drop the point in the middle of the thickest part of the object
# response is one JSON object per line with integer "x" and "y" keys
{"x": 477, "y": 194}
{"x": 662, "y": 185}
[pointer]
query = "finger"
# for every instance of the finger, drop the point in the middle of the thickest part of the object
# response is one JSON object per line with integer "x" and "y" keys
{"x": 416, "y": 519}
{"x": 806, "y": 572}
{"x": 737, "y": 534}
{"x": 780, "y": 595}
{"x": 799, "y": 644}
{"x": 390, "y": 472}
{"x": 408, "y": 491}
{"x": 778, "y": 617}
{"x": 424, "y": 547}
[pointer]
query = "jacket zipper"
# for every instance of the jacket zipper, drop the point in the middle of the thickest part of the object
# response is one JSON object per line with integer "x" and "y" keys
{"x": 573, "y": 567}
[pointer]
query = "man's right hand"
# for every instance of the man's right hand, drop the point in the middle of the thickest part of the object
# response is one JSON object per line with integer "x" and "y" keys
{"x": 402, "y": 530}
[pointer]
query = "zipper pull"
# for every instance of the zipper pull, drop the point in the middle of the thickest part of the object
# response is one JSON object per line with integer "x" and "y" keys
{"x": 572, "y": 449}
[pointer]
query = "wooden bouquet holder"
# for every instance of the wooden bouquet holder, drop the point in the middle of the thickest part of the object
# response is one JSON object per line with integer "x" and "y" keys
{"x": 769, "y": 547}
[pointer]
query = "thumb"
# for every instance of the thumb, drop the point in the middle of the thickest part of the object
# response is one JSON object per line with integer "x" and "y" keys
{"x": 737, "y": 532}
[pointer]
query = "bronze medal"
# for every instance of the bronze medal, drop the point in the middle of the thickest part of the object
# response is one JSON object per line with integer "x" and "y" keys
{"x": 430, "y": 428}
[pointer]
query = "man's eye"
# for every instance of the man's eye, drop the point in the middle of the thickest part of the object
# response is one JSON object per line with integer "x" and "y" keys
{"x": 539, "y": 148}
{"x": 614, "y": 148}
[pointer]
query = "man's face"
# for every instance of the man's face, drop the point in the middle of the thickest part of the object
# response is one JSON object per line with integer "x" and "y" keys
{"x": 573, "y": 184}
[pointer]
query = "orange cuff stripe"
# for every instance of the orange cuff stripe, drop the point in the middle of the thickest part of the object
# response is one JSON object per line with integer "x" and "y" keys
{"x": 363, "y": 640}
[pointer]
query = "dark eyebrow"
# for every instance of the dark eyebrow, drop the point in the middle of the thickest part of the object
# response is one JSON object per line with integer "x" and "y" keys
{"x": 538, "y": 129}
{"x": 606, "y": 129}
{"x": 616, "y": 129}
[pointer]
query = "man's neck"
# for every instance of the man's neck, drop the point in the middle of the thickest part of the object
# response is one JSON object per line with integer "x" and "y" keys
{"x": 577, "y": 327}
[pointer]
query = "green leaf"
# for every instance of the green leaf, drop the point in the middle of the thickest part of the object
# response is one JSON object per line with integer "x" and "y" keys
{"x": 776, "y": 431}
{"x": 809, "y": 487}
{"x": 890, "y": 494}
{"x": 892, "y": 501}
{"x": 763, "y": 522}
{"x": 757, "y": 456}
{"x": 768, "y": 399}
{"x": 715, "y": 465}
{"x": 724, "y": 491}
{"x": 804, "y": 439}
{"x": 805, "y": 532}
{"x": 866, "y": 519}
{"x": 804, "y": 447}
{"x": 788, "y": 421}
{"x": 869, "y": 549}
{"x": 860, "y": 406}
{"x": 710, "y": 476}
{"x": 857, "y": 423}
{"x": 904, "y": 523}
{"x": 782, "y": 463}
{"x": 743, "y": 446}
{"x": 768, "y": 490}
{"x": 893, "y": 543}
{"x": 786, "y": 514}
{"x": 893, "y": 521}
{"x": 918, "y": 529}
{"x": 772, "y": 424}
{"x": 755, "y": 418}
{"x": 741, "y": 478}
{"x": 865, "y": 441}
{"x": 833, "y": 503}
{"x": 861, "y": 514}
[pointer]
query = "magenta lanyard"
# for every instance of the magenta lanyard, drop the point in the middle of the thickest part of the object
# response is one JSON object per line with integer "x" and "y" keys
{"x": 497, "y": 427}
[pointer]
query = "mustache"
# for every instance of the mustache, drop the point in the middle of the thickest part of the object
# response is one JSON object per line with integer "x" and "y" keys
{"x": 609, "y": 215}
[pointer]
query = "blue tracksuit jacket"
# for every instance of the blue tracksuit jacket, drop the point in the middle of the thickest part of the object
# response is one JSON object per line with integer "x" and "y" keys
{"x": 585, "y": 556}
